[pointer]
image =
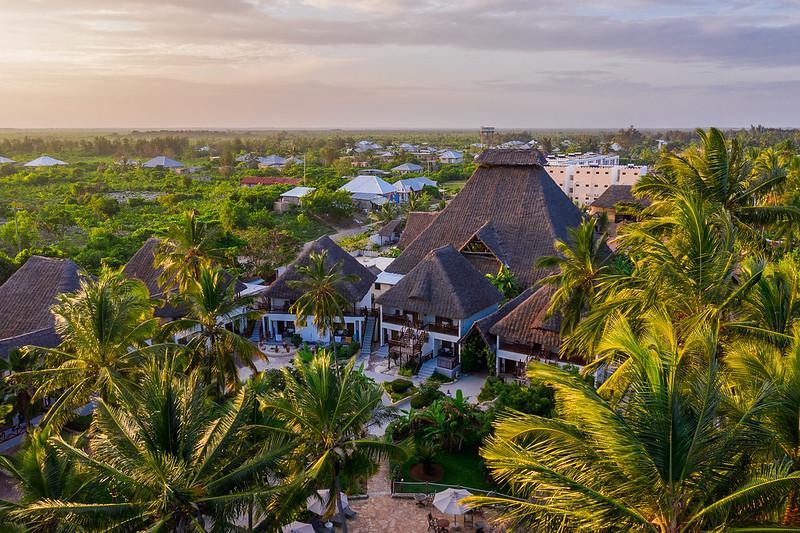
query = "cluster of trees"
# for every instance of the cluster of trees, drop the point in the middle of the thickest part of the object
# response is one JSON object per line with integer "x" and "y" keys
{"x": 697, "y": 315}
{"x": 177, "y": 442}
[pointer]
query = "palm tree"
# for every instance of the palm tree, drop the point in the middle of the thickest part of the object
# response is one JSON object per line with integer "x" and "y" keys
{"x": 720, "y": 172}
{"x": 321, "y": 296}
{"x": 760, "y": 368}
{"x": 212, "y": 347}
{"x": 418, "y": 202}
{"x": 580, "y": 262}
{"x": 184, "y": 249}
{"x": 384, "y": 215}
{"x": 171, "y": 459}
{"x": 104, "y": 327}
{"x": 328, "y": 413}
{"x": 669, "y": 458}
{"x": 505, "y": 282}
{"x": 41, "y": 473}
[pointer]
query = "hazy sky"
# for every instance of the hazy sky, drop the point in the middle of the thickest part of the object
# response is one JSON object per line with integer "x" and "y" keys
{"x": 399, "y": 63}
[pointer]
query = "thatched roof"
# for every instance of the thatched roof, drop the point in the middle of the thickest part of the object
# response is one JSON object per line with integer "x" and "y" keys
{"x": 511, "y": 206}
{"x": 354, "y": 291}
{"x": 443, "y": 284}
{"x": 511, "y": 157}
{"x": 416, "y": 223}
{"x": 525, "y": 321}
{"x": 141, "y": 266}
{"x": 392, "y": 228}
{"x": 26, "y": 298}
{"x": 618, "y": 194}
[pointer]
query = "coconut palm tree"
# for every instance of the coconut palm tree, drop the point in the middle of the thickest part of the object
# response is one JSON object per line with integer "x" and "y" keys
{"x": 172, "y": 460}
{"x": 213, "y": 348}
{"x": 384, "y": 215}
{"x": 104, "y": 327}
{"x": 758, "y": 368}
{"x": 672, "y": 457}
{"x": 321, "y": 298}
{"x": 580, "y": 262}
{"x": 184, "y": 249}
{"x": 418, "y": 202}
{"x": 720, "y": 172}
{"x": 41, "y": 473}
{"x": 328, "y": 414}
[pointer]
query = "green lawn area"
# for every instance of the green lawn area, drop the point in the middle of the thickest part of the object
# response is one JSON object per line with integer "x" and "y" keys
{"x": 460, "y": 468}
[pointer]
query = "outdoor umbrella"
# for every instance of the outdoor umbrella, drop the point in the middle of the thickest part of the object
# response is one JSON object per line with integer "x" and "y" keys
{"x": 318, "y": 503}
{"x": 447, "y": 501}
{"x": 297, "y": 527}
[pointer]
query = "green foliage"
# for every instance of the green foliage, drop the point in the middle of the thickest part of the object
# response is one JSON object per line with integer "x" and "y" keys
{"x": 400, "y": 385}
{"x": 331, "y": 203}
{"x": 352, "y": 243}
{"x": 474, "y": 353}
{"x": 428, "y": 393}
{"x": 505, "y": 282}
{"x": 534, "y": 399}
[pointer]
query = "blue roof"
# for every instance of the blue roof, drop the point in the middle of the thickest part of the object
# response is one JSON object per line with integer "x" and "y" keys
{"x": 162, "y": 161}
{"x": 407, "y": 167}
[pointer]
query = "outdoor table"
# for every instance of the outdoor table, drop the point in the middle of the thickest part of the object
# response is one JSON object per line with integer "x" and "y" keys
{"x": 442, "y": 522}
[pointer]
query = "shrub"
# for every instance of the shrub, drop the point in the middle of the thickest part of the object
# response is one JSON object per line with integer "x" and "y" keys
{"x": 296, "y": 339}
{"x": 405, "y": 372}
{"x": 427, "y": 394}
{"x": 438, "y": 377}
{"x": 535, "y": 399}
{"x": 400, "y": 385}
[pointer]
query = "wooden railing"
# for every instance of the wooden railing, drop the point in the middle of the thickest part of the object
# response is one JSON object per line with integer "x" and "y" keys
{"x": 447, "y": 362}
{"x": 442, "y": 328}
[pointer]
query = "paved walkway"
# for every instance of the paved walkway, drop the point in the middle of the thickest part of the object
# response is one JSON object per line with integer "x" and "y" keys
{"x": 381, "y": 513}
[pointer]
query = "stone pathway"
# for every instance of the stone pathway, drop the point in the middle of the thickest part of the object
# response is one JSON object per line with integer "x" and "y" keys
{"x": 381, "y": 513}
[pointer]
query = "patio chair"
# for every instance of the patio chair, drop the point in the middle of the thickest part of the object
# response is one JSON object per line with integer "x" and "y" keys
{"x": 432, "y": 526}
{"x": 349, "y": 513}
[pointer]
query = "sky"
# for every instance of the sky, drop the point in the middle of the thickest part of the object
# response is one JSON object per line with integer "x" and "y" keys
{"x": 399, "y": 63}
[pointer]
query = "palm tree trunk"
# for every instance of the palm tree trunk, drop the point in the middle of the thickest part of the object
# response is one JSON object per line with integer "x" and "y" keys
{"x": 791, "y": 515}
{"x": 340, "y": 509}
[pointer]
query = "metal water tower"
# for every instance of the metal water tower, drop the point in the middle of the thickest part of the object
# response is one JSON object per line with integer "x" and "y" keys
{"x": 487, "y": 136}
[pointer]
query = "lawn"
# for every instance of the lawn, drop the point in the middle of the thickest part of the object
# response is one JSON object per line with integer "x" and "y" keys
{"x": 460, "y": 468}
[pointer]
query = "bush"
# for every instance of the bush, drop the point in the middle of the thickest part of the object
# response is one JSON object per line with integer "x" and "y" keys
{"x": 400, "y": 385}
{"x": 427, "y": 394}
{"x": 438, "y": 377}
{"x": 296, "y": 339}
{"x": 535, "y": 399}
{"x": 405, "y": 372}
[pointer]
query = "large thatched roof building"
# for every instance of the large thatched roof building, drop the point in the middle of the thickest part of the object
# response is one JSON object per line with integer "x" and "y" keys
{"x": 26, "y": 298}
{"x": 509, "y": 212}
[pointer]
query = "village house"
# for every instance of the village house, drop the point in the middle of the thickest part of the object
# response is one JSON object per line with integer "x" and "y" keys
{"x": 451, "y": 157}
{"x": 271, "y": 161}
{"x": 407, "y": 168}
{"x": 388, "y": 233}
{"x": 291, "y": 198}
{"x": 430, "y": 308}
{"x": 45, "y": 161}
{"x": 369, "y": 192}
{"x": 279, "y": 323}
{"x": 407, "y": 187}
{"x": 163, "y": 162}
{"x": 26, "y": 299}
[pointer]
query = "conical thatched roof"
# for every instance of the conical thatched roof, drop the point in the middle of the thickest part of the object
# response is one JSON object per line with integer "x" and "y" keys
{"x": 443, "y": 284}
{"x": 354, "y": 291}
{"x": 510, "y": 211}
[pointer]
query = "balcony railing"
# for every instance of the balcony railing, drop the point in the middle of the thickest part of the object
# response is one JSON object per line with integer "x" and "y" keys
{"x": 446, "y": 329}
{"x": 394, "y": 319}
{"x": 448, "y": 363}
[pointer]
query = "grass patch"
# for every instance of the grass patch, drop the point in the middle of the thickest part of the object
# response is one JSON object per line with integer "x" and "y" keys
{"x": 463, "y": 468}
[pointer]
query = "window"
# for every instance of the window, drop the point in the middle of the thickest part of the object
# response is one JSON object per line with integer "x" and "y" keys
{"x": 377, "y": 286}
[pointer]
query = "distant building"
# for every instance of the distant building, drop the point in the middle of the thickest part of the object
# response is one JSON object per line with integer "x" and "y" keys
{"x": 619, "y": 204}
{"x": 451, "y": 157}
{"x": 584, "y": 184}
{"x": 162, "y": 161}
{"x": 388, "y": 234}
{"x": 45, "y": 161}
{"x": 407, "y": 168}
{"x": 252, "y": 181}
{"x": 291, "y": 198}
{"x": 370, "y": 191}
{"x": 271, "y": 161}
{"x": 374, "y": 172}
{"x": 409, "y": 186}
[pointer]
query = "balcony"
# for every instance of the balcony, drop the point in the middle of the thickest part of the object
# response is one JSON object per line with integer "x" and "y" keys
{"x": 446, "y": 329}
{"x": 398, "y": 320}
{"x": 448, "y": 363}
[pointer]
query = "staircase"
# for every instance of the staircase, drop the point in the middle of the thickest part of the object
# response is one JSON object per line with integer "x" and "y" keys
{"x": 427, "y": 369}
{"x": 366, "y": 342}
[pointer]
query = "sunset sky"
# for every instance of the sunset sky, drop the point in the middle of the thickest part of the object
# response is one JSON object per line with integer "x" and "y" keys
{"x": 399, "y": 63}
